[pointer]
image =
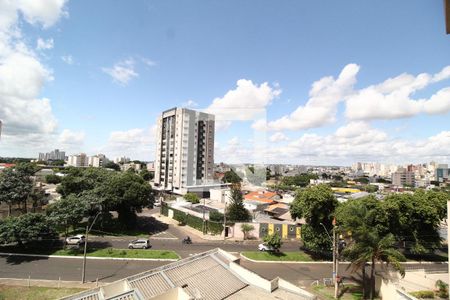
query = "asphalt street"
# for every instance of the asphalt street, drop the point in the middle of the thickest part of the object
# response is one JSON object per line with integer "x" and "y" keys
{"x": 169, "y": 237}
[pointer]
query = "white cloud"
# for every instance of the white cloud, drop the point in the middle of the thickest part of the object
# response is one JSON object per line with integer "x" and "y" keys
{"x": 71, "y": 138}
{"x": 148, "y": 62}
{"x": 68, "y": 59}
{"x": 28, "y": 120}
{"x": 42, "y": 44}
{"x": 245, "y": 102}
{"x": 321, "y": 107}
{"x": 233, "y": 141}
{"x": 123, "y": 71}
{"x": 190, "y": 104}
{"x": 137, "y": 143}
{"x": 393, "y": 98}
{"x": 278, "y": 137}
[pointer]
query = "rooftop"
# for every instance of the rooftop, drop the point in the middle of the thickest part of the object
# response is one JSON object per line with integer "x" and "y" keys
{"x": 214, "y": 274}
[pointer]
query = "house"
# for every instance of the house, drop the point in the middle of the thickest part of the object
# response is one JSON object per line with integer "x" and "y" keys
{"x": 262, "y": 196}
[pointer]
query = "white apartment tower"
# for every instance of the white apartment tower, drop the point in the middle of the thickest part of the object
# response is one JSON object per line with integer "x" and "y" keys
{"x": 184, "y": 150}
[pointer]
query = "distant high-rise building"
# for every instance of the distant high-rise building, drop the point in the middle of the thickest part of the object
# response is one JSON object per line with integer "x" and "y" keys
{"x": 52, "y": 156}
{"x": 79, "y": 160}
{"x": 184, "y": 150}
{"x": 442, "y": 173}
{"x": 122, "y": 160}
{"x": 97, "y": 161}
{"x": 403, "y": 177}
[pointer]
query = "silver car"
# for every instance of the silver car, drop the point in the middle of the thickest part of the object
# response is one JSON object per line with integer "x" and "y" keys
{"x": 139, "y": 244}
{"x": 75, "y": 240}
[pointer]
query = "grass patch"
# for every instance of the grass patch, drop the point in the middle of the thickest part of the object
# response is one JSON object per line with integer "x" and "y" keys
{"x": 47, "y": 249}
{"x": 346, "y": 292}
{"x": 281, "y": 256}
{"x": 121, "y": 253}
{"x": 30, "y": 293}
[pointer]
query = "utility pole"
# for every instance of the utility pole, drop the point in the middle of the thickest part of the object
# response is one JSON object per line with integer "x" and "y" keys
{"x": 335, "y": 261}
{"x": 83, "y": 272}
{"x": 224, "y": 221}
{"x": 204, "y": 216}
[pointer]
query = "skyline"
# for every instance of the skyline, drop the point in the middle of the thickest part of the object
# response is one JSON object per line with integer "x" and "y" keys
{"x": 310, "y": 83}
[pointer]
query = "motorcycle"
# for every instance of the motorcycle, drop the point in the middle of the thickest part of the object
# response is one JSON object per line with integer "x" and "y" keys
{"x": 186, "y": 241}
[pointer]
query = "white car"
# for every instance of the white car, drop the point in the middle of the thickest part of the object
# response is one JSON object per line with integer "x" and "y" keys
{"x": 139, "y": 244}
{"x": 265, "y": 247}
{"x": 76, "y": 239}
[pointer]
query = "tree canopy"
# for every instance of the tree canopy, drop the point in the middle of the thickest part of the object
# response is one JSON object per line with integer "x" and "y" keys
{"x": 231, "y": 177}
{"x": 235, "y": 211}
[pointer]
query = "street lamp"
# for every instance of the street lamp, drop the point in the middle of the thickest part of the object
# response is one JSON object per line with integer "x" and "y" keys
{"x": 335, "y": 257}
{"x": 88, "y": 229}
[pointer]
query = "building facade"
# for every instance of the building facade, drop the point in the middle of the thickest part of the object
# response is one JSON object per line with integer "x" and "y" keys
{"x": 79, "y": 160}
{"x": 442, "y": 173}
{"x": 185, "y": 149}
{"x": 403, "y": 177}
{"x": 53, "y": 155}
{"x": 97, "y": 161}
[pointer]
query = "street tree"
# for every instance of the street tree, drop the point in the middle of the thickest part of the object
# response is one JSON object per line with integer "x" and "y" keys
{"x": 371, "y": 241}
{"x": 15, "y": 187}
{"x": 231, "y": 177}
{"x": 274, "y": 241}
{"x": 246, "y": 229}
{"x": 68, "y": 212}
{"x": 235, "y": 211}
{"x": 26, "y": 228}
{"x": 316, "y": 205}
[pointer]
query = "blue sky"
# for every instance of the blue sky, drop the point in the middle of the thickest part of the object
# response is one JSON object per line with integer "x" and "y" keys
{"x": 109, "y": 68}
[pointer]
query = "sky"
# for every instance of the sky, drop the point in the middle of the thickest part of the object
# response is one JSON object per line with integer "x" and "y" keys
{"x": 301, "y": 82}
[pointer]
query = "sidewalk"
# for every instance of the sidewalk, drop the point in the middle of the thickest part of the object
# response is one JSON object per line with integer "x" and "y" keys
{"x": 198, "y": 236}
{"x": 49, "y": 283}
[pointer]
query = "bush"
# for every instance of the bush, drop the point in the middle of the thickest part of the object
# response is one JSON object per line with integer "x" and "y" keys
{"x": 194, "y": 222}
{"x": 215, "y": 228}
{"x": 423, "y": 294}
{"x": 191, "y": 197}
{"x": 215, "y": 216}
{"x": 52, "y": 179}
{"x": 273, "y": 240}
{"x": 442, "y": 289}
{"x": 179, "y": 216}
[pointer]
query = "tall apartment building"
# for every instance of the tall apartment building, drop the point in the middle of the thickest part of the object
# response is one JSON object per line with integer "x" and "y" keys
{"x": 79, "y": 160}
{"x": 54, "y": 155}
{"x": 403, "y": 177}
{"x": 184, "y": 155}
{"x": 97, "y": 161}
{"x": 442, "y": 172}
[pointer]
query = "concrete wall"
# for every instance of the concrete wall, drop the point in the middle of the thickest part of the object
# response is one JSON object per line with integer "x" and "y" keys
{"x": 251, "y": 278}
{"x": 389, "y": 291}
{"x": 286, "y": 285}
{"x": 239, "y": 234}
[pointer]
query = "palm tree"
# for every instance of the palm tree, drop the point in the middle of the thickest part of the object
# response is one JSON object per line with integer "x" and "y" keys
{"x": 369, "y": 246}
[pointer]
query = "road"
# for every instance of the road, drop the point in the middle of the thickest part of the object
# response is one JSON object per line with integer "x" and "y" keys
{"x": 168, "y": 238}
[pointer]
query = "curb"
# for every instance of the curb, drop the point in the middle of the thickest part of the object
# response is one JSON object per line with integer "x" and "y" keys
{"x": 330, "y": 262}
{"x": 88, "y": 257}
{"x": 287, "y": 261}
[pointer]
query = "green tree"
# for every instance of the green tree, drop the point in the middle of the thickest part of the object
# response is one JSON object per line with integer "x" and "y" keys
{"x": 191, "y": 197}
{"x": 235, "y": 211}
{"x": 415, "y": 218}
{"x": 301, "y": 180}
{"x": 68, "y": 212}
{"x": 274, "y": 241}
{"x": 371, "y": 240}
{"x": 15, "y": 187}
{"x": 25, "y": 228}
{"x": 146, "y": 174}
{"x": 53, "y": 179}
{"x": 316, "y": 205}
{"x": 112, "y": 165}
{"x": 231, "y": 177}
{"x": 215, "y": 216}
{"x": 126, "y": 193}
{"x": 246, "y": 229}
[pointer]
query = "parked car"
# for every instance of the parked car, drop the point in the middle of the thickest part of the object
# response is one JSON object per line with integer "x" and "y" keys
{"x": 76, "y": 239}
{"x": 265, "y": 247}
{"x": 139, "y": 244}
